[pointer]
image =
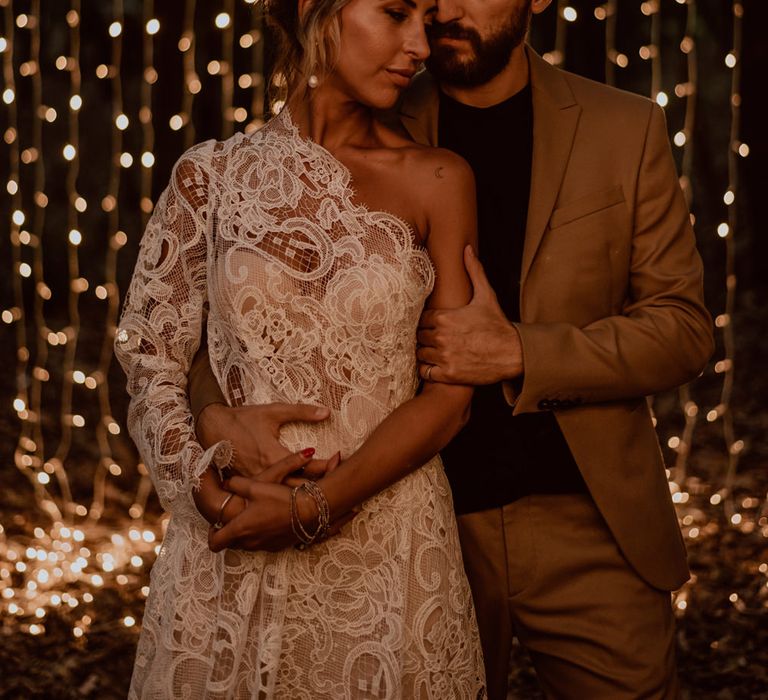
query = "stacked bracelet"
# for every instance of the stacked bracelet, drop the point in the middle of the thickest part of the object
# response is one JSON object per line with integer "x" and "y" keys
{"x": 323, "y": 514}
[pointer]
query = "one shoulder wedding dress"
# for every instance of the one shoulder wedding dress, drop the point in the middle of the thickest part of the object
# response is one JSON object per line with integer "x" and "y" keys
{"x": 310, "y": 298}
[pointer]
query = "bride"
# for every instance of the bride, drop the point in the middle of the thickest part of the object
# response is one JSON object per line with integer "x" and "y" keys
{"x": 313, "y": 245}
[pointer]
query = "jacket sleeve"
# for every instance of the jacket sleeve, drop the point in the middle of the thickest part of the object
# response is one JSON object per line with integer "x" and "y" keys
{"x": 159, "y": 333}
{"x": 662, "y": 338}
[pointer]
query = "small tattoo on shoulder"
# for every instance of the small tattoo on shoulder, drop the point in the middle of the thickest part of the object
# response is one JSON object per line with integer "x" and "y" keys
{"x": 439, "y": 173}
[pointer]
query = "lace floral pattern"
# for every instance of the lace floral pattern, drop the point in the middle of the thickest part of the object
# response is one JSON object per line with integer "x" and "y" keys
{"x": 311, "y": 298}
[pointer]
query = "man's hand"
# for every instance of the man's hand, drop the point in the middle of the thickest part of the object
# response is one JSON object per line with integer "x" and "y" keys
{"x": 254, "y": 432}
{"x": 474, "y": 344}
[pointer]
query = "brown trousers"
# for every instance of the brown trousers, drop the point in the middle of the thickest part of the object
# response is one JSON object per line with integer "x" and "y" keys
{"x": 547, "y": 570}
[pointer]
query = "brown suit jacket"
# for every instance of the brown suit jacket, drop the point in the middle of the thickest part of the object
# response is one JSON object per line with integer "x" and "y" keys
{"x": 611, "y": 297}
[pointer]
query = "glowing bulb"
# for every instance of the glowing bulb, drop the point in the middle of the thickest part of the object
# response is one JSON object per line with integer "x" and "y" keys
{"x": 50, "y": 115}
{"x": 729, "y": 197}
{"x": 147, "y": 159}
{"x": 25, "y": 270}
{"x": 75, "y": 102}
{"x": 43, "y": 478}
{"x": 153, "y": 26}
{"x": 662, "y": 99}
{"x": 223, "y": 20}
{"x": 75, "y": 237}
{"x": 9, "y": 96}
{"x": 69, "y": 152}
{"x": 115, "y": 29}
{"x": 723, "y": 230}
{"x": 19, "y": 218}
{"x": 176, "y": 122}
{"x": 743, "y": 150}
{"x": 3, "y": 44}
{"x": 126, "y": 160}
{"x": 78, "y": 421}
{"x": 730, "y": 60}
{"x": 122, "y": 122}
{"x": 246, "y": 41}
{"x": 570, "y": 14}
{"x": 128, "y": 621}
{"x": 19, "y": 405}
{"x": 680, "y": 138}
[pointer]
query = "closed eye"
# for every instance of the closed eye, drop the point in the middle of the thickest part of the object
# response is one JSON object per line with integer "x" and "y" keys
{"x": 397, "y": 15}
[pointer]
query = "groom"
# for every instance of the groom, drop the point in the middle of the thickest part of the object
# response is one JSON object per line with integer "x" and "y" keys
{"x": 587, "y": 298}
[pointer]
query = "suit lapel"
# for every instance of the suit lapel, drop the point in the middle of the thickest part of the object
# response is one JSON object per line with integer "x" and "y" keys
{"x": 555, "y": 116}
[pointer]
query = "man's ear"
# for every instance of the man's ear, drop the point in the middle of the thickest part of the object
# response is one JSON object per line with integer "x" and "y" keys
{"x": 538, "y": 6}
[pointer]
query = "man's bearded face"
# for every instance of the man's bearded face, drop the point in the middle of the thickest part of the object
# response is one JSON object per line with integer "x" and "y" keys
{"x": 476, "y": 59}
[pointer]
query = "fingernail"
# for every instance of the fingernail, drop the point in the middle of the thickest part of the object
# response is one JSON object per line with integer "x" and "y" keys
{"x": 321, "y": 412}
{"x": 308, "y": 452}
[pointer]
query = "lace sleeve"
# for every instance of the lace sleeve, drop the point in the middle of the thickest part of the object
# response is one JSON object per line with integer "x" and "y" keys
{"x": 159, "y": 333}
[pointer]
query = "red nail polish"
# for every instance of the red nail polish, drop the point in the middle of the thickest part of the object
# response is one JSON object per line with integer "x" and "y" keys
{"x": 308, "y": 452}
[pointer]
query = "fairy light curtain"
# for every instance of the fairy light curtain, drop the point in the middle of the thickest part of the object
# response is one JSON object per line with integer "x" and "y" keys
{"x": 98, "y": 101}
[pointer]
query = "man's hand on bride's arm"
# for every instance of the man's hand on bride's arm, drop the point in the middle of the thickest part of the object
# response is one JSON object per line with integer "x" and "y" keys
{"x": 474, "y": 344}
{"x": 254, "y": 433}
{"x": 265, "y": 521}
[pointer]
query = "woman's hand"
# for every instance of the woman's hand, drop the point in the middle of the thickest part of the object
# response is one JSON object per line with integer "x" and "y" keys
{"x": 265, "y": 522}
{"x": 210, "y": 497}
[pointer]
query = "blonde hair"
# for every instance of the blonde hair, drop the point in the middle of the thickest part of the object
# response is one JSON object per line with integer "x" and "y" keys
{"x": 306, "y": 45}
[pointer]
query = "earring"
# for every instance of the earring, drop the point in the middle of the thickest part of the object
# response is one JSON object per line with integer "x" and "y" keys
{"x": 313, "y": 81}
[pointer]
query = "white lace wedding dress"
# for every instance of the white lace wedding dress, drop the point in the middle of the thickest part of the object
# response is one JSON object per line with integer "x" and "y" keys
{"x": 311, "y": 298}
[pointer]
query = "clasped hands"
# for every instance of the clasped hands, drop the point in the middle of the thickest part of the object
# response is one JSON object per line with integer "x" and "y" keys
{"x": 257, "y": 515}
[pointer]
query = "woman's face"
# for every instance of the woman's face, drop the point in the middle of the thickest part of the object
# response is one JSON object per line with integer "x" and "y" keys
{"x": 383, "y": 43}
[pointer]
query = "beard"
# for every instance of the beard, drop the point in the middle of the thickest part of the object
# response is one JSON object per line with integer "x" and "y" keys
{"x": 490, "y": 55}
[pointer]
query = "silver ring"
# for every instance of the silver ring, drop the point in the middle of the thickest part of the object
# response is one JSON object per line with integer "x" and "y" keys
{"x": 428, "y": 373}
{"x": 218, "y": 524}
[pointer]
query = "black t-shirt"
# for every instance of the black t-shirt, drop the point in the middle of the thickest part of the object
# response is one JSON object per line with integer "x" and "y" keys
{"x": 497, "y": 457}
